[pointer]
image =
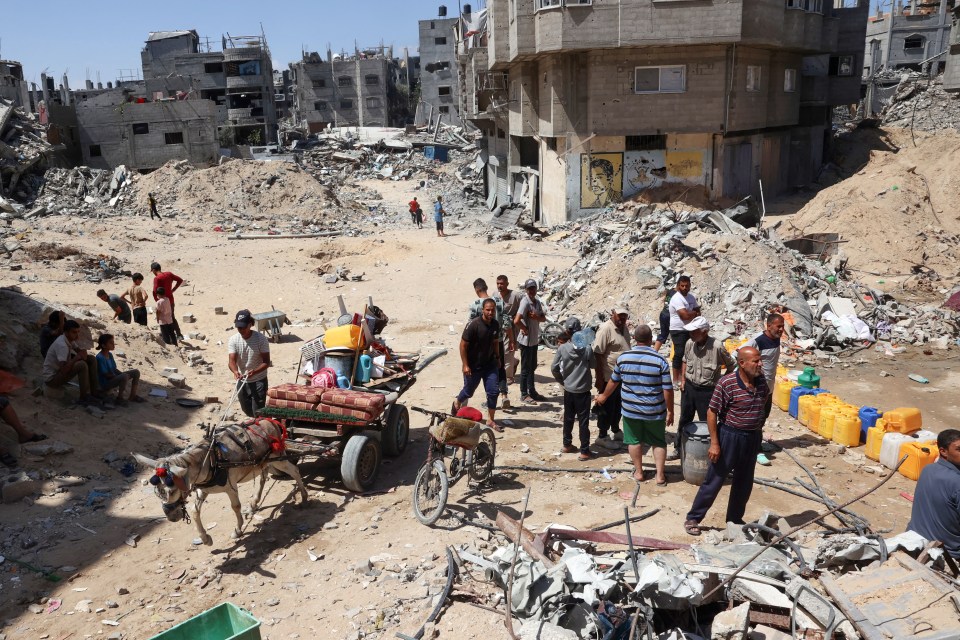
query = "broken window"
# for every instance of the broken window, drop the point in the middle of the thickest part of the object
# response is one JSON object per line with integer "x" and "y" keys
{"x": 251, "y": 68}
{"x": 443, "y": 91}
{"x": 841, "y": 66}
{"x": 548, "y": 4}
{"x": 914, "y": 43}
{"x": 665, "y": 79}
{"x": 645, "y": 143}
{"x": 372, "y": 79}
{"x": 95, "y": 151}
{"x": 794, "y": 4}
{"x": 319, "y": 83}
{"x": 753, "y": 77}
{"x": 373, "y": 103}
{"x": 789, "y": 80}
{"x": 501, "y": 133}
{"x": 439, "y": 41}
{"x": 578, "y": 3}
{"x": 344, "y": 81}
{"x": 213, "y": 67}
{"x": 140, "y": 128}
{"x": 346, "y": 104}
{"x": 174, "y": 137}
{"x": 444, "y": 109}
{"x": 320, "y": 105}
{"x": 813, "y": 6}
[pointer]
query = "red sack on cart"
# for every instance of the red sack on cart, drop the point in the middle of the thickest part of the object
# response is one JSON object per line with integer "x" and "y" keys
{"x": 326, "y": 378}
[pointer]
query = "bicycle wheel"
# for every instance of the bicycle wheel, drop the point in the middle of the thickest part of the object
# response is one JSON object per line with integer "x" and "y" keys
{"x": 484, "y": 455}
{"x": 430, "y": 492}
{"x": 549, "y": 333}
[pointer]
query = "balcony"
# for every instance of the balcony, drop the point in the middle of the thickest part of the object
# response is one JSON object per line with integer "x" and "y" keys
{"x": 242, "y": 54}
{"x": 245, "y": 82}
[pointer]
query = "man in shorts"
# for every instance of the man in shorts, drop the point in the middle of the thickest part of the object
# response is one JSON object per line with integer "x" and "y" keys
{"x": 646, "y": 396}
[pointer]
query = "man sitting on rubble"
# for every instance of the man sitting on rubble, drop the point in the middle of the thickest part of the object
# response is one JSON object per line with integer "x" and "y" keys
{"x": 66, "y": 361}
{"x": 936, "y": 502}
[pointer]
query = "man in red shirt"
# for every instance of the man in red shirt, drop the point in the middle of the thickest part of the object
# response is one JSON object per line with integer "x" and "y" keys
{"x": 170, "y": 283}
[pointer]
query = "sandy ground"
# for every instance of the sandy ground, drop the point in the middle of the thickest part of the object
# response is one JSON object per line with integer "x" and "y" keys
{"x": 423, "y": 283}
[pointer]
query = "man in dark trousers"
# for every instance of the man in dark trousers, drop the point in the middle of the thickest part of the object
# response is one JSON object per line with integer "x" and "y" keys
{"x": 735, "y": 420}
{"x": 527, "y": 324}
{"x": 936, "y": 502}
{"x": 612, "y": 339}
{"x": 480, "y": 359}
{"x": 170, "y": 283}
{"x": 153, "y": 207}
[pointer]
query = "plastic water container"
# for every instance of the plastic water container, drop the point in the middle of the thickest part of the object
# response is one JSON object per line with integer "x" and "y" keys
{"x": 813, "y": 413}
{"x": 803, "y": 409}
{"x": 846, "y": 429}
{"x": 584, "y": 338}
{"x": 868, "y": 419}
{"x": 919, "y": 455}
{"x": 828, "y": 416}
{"x": 348, "y": 336}
{"x": 875, "y": 436}
{"x": 903, "y": 419}
{"x": 890, "y": 449}
{"x": 809, "y": 378}
{"x": 343, "y": 382}
{"x": 694, "y": 445}
{"x": 795, "y": 394}
{"x": 365, "y": 368}
{"x": 781, "y": 393}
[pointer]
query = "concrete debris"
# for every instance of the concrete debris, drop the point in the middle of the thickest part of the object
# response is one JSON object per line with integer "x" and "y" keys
{"x": 24, "y": 156}
{"x": 920, "y": 103}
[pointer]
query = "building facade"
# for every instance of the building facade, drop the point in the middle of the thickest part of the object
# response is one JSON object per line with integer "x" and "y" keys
{"x": 439, "y": 87}
{"x": 238, "y": 78}
{"x": 13, "y": 88}
{"x": 585, "y": 104}
{"x": 909, "y": 37}
{"x": 951, "y": 74}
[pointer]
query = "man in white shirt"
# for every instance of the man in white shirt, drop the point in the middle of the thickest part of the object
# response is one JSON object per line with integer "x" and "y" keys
{"x": 249, "y": 355}
{"x": 683, "y": 309}
{"x": 65, "y": 361}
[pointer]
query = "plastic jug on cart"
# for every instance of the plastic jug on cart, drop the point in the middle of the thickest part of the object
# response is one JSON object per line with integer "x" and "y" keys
{"x": 890, "y": 449}
{"x": 809, "y": 378}
{"x": 903, "y": 420}
{"x": 919, "y": 455}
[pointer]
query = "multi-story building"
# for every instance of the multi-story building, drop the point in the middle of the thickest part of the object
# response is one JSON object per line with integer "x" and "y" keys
{"x": 238, "y": 79}
{"x": 344, "y": 91}
{"x": 439, "y": 88}
{"x": 586, "y": 103}
{"x": 13, "y": 87}
{"x": 909, "y": 36}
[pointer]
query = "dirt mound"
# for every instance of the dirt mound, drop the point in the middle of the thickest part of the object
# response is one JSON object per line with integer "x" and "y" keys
{"x": 898, "y": 211}
{"x": 238, "y": 186}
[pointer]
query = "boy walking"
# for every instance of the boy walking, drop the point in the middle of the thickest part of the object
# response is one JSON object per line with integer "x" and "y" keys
{"x": 571, "y": 368}
{"x": 165, "y": 317}
{"x": 137, "y": 297}
{"x": 438, "y": 213}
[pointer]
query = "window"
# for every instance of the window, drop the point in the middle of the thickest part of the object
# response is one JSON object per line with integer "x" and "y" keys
{"x": 174, "y": 137}
{"x": 140, "y": 128}
{"x": 444, "y": 109}
{"x": 95, "y": 151}
{"x": 433, "y": 25}
{"x": 753, "y": 77}
{"x": 789, "y": 80}
{"x": 578, "y": 3}
{"x": 548, "y": 4}
{"x": 669, "y": 79}
{"x": 213, "y": 67}
{"x": 443, "y": 91}
{"x": 373, "y": 103}
{"x": 914, "y": 43}
{"x": 319, "y": 84}
{"x": 501, "y": 134}
{"x": 645, "y": 143}
{"x": 841, "y": 66}
{"x": 343, "y": 81}
{"x": 794, "y": 4}
{"x": 813, "y": 6}
{"x": 372, "y": 79}
{"x": 346, "y": 104}
{"x": 439, "y": 41}
{"x": 319, "y": 105}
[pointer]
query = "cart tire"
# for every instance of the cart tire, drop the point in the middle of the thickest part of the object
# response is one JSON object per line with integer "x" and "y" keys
{"x": 396, "y": 434}
{"x": 549, "y": 333}
{"x": 484, "y": 455}
{"x": 360, "y": 463}
{"x": 430, "y": 492}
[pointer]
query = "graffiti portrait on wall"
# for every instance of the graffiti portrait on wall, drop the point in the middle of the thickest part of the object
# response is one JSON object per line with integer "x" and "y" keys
{"x": 601, "y": 179}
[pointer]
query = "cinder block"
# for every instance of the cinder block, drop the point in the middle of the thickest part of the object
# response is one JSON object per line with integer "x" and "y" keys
{"x": 18, "y": 486}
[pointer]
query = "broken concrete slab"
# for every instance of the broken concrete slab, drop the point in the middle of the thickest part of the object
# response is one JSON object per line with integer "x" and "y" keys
{"x": 731, "y": 624}
{"x": 18, "y": 486}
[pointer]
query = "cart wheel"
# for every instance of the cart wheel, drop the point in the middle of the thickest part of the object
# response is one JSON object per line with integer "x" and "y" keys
{"x": 430, "y": 492}
{"x": 360, "y": 463}
{"x": 395, "y": 435}
{"x": 484, "y": 455}
{"x": 549, "y": 333}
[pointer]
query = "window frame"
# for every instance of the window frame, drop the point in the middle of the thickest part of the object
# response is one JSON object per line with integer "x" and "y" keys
{"x": 368, "y": 83}
{"x": 344, "y": 81}
{"x": 346, "y": 104}
{"x": 790, "y": 73}
{"x": 660, "y": 68}
{"x": 95, "y": 148}
{"x": 144, "y": 128}
{"x": 440, "y": 41}
{"x": 754, "y": 72}
{"x": 321, "y": 105}
{"x": 448, "y": 88}
{"x": 578, "y": 3}
{"x": 914, "y": 36}
{"x": 548, "y": 5}
{"x": 167, "y": 137}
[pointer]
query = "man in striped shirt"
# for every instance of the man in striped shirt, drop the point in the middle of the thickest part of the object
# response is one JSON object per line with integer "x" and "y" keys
{"x": 735, "y": 419}
{"x": 646, "y": 395}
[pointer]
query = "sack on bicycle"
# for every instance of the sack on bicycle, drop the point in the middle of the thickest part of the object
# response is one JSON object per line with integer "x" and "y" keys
{"x": 461, "y": 432}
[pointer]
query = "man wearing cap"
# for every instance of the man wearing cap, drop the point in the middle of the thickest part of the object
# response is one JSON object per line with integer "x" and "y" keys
{"x": 683, "y": 309}
{"x": 703, "y": 357}
{"x": 612, "y": 339}
{"x": 571, "y": 368}
{"x": 527, "y": 323}
{"x": 170, "y": 283}
{"x": 249, "y": 359}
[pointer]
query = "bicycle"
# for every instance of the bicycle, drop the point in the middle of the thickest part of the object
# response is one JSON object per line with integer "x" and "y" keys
{"x": 471, "y": 448}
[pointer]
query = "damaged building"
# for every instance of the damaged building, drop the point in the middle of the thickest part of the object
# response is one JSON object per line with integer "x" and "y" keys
{"x": 13, "y": 87}
{"x": 601, "y": 100}
{"x": 439, "y": 88}
{"x": 911, "y": 36}
{"x": 346, "y": 91}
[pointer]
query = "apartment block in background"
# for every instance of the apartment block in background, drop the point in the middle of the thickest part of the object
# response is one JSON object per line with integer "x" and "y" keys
{"x": 439, "y": 87}
{"x": 587, "y": 103}
{"x": 909, "y": 35}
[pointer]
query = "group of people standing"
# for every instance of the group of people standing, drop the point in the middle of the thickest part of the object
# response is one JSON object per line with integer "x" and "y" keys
{"x": 131, "y": 305}
{"x": 439, "y": 213}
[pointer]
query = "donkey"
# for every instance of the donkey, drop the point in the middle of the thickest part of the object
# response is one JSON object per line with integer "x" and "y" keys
{"x": 237, "y": 454}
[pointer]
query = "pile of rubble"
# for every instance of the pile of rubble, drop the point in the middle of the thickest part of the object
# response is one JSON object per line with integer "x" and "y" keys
{"x": 80, "y": 191}
{"x": 24, "y": 155}
{"x": 922, "y": 104}
{"x": 739, "y": 275}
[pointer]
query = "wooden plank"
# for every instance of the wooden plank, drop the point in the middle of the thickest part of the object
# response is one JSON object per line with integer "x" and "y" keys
{"x": 528, "y": 541}
{"x": 854, "y": 615}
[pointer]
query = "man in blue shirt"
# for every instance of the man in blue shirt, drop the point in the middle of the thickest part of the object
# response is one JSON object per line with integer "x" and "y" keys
{"x": 936, "y": 502}
{"x": 438, "y": 214}
{"x": 646, "y": 401}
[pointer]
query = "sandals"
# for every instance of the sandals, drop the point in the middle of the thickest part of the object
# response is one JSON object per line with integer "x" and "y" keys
{"x": 8, "y": 460}
{"x": 37, "y": 437}
{"x": 495, "y": 427}
{"x": 692, "y": 527}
